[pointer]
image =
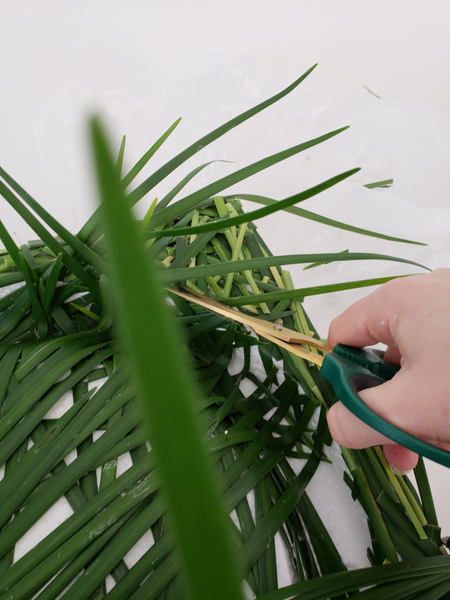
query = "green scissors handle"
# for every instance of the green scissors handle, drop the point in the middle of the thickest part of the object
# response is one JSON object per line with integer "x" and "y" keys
{"x": 350, "y": 370}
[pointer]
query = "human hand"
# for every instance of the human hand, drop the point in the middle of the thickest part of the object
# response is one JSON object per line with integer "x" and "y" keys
{"x": 411, "y": 316}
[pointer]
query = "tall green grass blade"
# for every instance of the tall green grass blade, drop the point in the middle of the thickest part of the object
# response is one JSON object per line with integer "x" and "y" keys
{"x": 161, "y": 173}
{"x": 210, "y": 565}
{"x": 147, "y": 156}
{"x": 191, "y": 201}
{"x": 171, "y": 195}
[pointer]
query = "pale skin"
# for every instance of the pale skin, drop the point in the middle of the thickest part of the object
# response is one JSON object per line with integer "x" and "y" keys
{"x": 411, "y": 316}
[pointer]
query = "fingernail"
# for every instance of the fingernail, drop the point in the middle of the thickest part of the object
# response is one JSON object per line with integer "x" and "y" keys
{"x": 398, "y": 472}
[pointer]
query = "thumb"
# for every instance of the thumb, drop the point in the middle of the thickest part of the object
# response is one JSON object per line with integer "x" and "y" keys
{"x": 349, "y": 431}
{"x": 400, "y": 458}
{"x": 398, "y": 401}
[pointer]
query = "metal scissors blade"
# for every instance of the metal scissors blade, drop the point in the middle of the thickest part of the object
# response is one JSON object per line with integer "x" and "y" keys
{"x": 282, "y": 336}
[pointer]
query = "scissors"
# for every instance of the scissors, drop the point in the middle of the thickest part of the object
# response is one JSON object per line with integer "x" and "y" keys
{"x": 348, "y": 369}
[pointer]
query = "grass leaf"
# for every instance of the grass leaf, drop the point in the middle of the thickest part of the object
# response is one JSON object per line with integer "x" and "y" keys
{"x": 167, "y": 404}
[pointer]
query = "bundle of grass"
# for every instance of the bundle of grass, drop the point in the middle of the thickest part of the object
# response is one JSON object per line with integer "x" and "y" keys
{"x": 170, "y": 445}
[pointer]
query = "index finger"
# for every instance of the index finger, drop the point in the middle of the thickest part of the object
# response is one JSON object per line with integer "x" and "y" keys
{"x": 368, "y": 321}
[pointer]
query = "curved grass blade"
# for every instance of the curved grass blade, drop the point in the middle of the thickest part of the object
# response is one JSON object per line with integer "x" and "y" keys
{"x": 37, "y": 383}
{"x": 50, "y": 490}
{"x": 330, "y": 586}
{"x": 164, "y": 566}
{"x": 298, "y": 294}
{"x": 181, "y": 274}
{"x": 104, "y": 563}
{"x": 36, "y": 463}
{"x": 256, "y": 214}
{"x": 193, "y": 500}
{"x": 32, "y": 418}
{"x": 306, "y": 214}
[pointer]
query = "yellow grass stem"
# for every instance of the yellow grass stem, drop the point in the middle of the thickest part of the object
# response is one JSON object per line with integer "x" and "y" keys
{"x": 232, "y": 213}
{"x": 298, "y": 313}
{"x": 252, "y": 283}
{"x": 214, "y": 286}
{"x": 401, "y": 495}
{"x": 222, "y": 212}
{"x": 235, "y": 256}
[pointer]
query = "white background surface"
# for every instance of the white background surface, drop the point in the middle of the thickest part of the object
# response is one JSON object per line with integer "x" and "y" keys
{"x": 143, "y": 64}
